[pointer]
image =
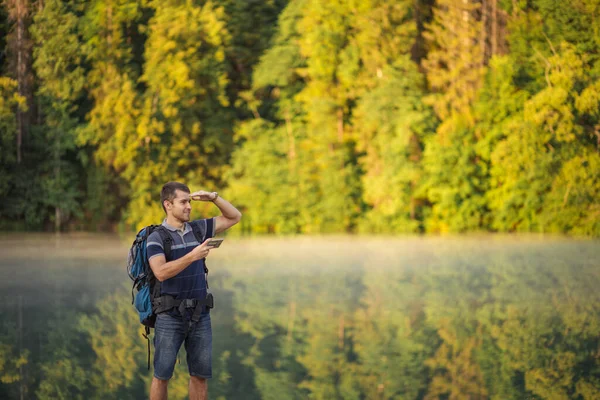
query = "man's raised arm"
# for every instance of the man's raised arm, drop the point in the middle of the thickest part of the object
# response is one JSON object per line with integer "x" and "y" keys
{"x": 230, "y": 215}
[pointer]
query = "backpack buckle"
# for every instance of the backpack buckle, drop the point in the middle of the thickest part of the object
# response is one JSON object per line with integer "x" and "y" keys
{"x": 186, "y": 303}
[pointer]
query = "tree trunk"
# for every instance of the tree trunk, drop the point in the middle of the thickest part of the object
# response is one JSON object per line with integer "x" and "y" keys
{"x": 20, "y": 29}
{"x": 20, "y": 324}
{"x": 494, "y": 27}
{"x": 483, "y": 37}
{"x": 57, "y": 211}
{"x": 109, "y": 25}
{"x": 290, "y": 133}
{"x": 19, "y": 48}
{"x": 340, "y": 125}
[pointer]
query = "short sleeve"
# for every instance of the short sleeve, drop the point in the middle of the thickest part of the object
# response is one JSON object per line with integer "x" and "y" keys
{"x": 210, "y": 228}
{"x": 206, "y": 228}
{"x": 154, "y": 246}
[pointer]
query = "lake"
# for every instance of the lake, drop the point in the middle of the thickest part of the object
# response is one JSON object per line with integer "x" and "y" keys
{"x": 340, "y": 317}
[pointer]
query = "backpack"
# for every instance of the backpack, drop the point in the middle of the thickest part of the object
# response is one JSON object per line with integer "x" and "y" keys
{"x": 146, "y": 284}
{"x": 139, "y": 271}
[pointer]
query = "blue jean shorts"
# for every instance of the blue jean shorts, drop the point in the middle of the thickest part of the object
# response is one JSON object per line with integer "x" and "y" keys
{"x": 170, "y": 332}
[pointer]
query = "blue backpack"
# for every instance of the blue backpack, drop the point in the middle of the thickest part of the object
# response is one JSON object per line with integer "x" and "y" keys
{"x": 140, "y": 273}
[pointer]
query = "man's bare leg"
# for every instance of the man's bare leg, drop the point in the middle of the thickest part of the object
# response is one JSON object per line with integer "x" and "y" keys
{"x": 158, "y": 389}
{"x": 198, "y": 388}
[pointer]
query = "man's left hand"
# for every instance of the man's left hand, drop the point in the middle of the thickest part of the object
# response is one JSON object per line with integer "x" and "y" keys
{"x": 202, "y": 195}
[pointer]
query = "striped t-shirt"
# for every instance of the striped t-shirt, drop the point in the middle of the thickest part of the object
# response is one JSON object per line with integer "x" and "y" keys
{"x": 190, "y": 283}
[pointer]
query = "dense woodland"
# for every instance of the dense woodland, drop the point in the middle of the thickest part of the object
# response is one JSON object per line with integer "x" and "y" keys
{"x": 368, "y": 116}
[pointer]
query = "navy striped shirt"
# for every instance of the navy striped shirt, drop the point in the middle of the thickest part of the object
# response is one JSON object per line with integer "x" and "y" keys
{"x": 190, "y": 283}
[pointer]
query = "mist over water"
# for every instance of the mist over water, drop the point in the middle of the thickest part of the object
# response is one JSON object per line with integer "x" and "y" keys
{"x": 506, "y": 317}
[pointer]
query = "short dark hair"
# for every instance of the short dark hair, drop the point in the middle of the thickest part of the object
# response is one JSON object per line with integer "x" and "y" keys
{"x": 168, "y": 192}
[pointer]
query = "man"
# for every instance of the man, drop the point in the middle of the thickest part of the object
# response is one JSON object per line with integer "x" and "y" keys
{"x": 183, "y": 277}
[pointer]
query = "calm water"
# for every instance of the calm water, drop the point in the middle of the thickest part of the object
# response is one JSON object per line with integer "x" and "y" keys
{"x": 320, "y": 318}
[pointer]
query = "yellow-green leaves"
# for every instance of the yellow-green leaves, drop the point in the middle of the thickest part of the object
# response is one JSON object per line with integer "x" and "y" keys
{"x": 319, "y": 116}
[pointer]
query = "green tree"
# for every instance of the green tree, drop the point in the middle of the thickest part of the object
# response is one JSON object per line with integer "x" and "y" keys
{"x": 182, "y": 125}
{"x": 270, "y": 175}
{"x": 390, "y": 119}
{"x": 455, "y": 68}
{"x": 391, "y": 123}
{"x": 332, "y": 65}
{"x": 545, "y": 143}
{"x": 10, "y": 100}
{"x": 58, "y": 66}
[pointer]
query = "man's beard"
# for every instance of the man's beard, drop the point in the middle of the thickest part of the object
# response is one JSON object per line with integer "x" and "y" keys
{"x": 183, "y": 217}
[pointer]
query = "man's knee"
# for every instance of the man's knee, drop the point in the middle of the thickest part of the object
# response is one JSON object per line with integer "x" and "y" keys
{"x": 160, "y": 382}
{"x": 158, "y": 389}
{"x": 198, "y": 379}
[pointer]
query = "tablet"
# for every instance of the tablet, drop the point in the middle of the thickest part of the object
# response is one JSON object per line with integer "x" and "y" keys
{"x": 215, "y": 242}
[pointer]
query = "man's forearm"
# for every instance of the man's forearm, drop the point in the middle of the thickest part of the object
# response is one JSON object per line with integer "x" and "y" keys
{"x": 227, "y": 209}
{"x": 172, "y": 268}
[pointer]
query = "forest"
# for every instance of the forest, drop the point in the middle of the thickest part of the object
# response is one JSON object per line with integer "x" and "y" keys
{"x": 338, "y": 116}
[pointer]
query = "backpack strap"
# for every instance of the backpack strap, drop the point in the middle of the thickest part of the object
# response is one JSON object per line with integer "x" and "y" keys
{"x": 166, "y": 239}
{"x": 200, "y": 304}
{"x": 200, "y": 232}
{"x": 164, "y": 303}
{"x": 147, "y": 337}
{"x": 167, "y": 242}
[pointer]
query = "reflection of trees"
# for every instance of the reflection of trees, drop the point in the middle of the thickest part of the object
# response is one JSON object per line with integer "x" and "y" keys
{"x": 10, "y": 370}
{"x": 390, "y": 338}
{"x": 328, "y": 348}
{"x": 454, "y": 293}
{"x": 549, "y": 328}
{"x": 99, "y": 355}
{"x": 525, "y": 317}
{"x": 479, "y": 324}
{"x": 261, "y": 309}
{"x": 463, "y": 324}
{"x": 95, "y": 356}
{"x": 14, "y": 357}
{"x": 115, "y": 338}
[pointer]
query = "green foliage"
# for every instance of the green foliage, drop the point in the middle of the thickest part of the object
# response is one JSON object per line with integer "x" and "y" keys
{"x": 19, "y": 182}
{"x": 572, "y": 203}
{"x": 544, "y": 142}
{"x": 58, "y": 64}
{"x": 454, "y": 62}
{"x": 9, "y": 100}
{"x": 393, "y": 125}
{"x": 263, "y": 163}
{"x": 251, "y": 25}
{"x": 10, "y": 364}
{"x": 454, "y": 181}
{"x": 362, "y": 116}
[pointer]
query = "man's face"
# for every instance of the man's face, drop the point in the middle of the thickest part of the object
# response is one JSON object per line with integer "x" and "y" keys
{"x": 180, "y": 207}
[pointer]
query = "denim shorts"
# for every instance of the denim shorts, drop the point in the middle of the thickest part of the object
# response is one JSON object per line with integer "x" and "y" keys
{"x": 170, "y": 332}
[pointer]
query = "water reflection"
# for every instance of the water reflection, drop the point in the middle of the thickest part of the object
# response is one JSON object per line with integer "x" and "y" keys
{"x": 329, "y": 318}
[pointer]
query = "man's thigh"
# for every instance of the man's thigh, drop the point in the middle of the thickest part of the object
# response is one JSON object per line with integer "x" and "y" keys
{"x": 198, "y": 346}
{"x": 169, "y": 333}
